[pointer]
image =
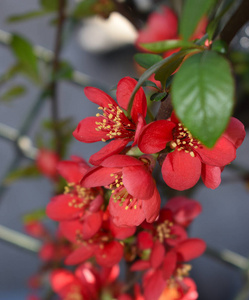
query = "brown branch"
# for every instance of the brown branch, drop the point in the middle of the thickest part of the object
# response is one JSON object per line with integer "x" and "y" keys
{"x": 55, "y": 68}
{"x": 238, "y": 19}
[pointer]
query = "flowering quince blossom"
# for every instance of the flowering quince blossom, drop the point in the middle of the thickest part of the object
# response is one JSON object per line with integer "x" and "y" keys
{"x": 47, "y": 161}
{"x": 113, "y": 124}
{"x": 104, "y": 245}
{"x": 134, "y": 195}
{"x": 190, "y": 159}
{"x": 78, "y": 209}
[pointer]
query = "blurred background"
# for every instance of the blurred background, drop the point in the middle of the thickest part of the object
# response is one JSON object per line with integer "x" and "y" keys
{"x": 103, "y": 50}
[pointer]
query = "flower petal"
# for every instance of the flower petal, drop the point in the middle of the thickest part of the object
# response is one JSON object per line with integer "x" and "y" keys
{"x": 120, "y": 161}
{"x": 211, "y": 176}
{"x": 235, "y": 132}
{"x": 138, "y": 182}
{"x": 110, "y": 254}
{"x": 155, "y": 136}
{"x": 180, "y": 170}
{"x": 70, "y": 170}
{"x": 58, "y": 208}
{"x": 220, "y": 155}
{"x": 140, "y": 265}
{"x": 61, "y": 278}
{"x": 124, "y": 90}
{"x": 113, "y": 147}
{"x": 99, "y": 97}
{"x": 151, "y": 207}
{"x": 190, "y": 249}
{"x": 86, "y": 131}
{"x": 79, "y": 255}
{"x": 121, "y": 233}
{"x": 157, "y": 254}
{"x": 98, "y": 176}
{"x": 169, "y": 264}
{"x": 154, "y": 284}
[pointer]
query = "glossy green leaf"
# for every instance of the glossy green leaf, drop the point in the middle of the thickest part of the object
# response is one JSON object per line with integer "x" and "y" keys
{"x": 23, "y": 51}
{"x": 158, "y": 96}
{"x": 13, "y": 92}
{"x": 27, "y": 16}
{"x": 162, "y": 46}
{"x": 203, "y": 95}
{"x": 150, "y": 84}
{"x": 147, "y": 60}
{"x": 193, "y": 11}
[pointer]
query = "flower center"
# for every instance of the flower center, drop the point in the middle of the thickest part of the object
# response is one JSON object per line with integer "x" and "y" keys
{"x": 80, "y": 196}
{"x": 183, "y": 140}
{"x": 183, "y": 271}
{"x": 164, "y": 230}
{"x": 115, "y": 123}
{"x": 120, "y": 194}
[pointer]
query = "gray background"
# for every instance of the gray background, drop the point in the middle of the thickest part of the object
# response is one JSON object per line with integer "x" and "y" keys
{"x": 223, "y": 224}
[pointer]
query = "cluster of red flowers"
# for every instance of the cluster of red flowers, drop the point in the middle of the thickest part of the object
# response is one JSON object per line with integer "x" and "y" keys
{"x": 112, "y": 210}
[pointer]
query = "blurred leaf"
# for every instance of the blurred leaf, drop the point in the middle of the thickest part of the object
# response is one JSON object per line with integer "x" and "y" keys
{"x": 36, "y": 215}
{"x": 13, "y": 92}
{"x": 147, "y": 60}
{"x": 23, "y": 50}
{"x": 24, "y": 172}
{"x": 27, "y": 16}
{"x": 10, "y": 73}
{"x": 49, "y": 5}
{"x": 193, "y": 11}
{"x": 158, "y": 96}
{"x": 220, "y": 46}
{"x": 163, "y": 46}
{"x": 150, "y": 84}
{"x": 203, "y": 95}
{"x": 88, "y": 8}
{"x": 65, "y": 71}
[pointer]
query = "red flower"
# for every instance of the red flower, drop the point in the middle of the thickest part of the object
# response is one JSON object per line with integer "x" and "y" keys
{"x": 134, "y": 193}
{"x": 104, "y": 245}
{"x": 189, "y": 159}
{"x": 113, "y": 124}
{"x": 47, "y": 162}
{"x": 78, "y": 209}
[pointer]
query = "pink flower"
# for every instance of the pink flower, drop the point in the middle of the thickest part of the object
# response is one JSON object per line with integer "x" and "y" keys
{"x": 190, "y": 159}
{"x": 113, "y": 123}
{"x": 134, "y": 194}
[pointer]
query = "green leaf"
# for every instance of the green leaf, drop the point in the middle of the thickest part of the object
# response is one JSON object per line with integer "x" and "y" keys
{"x": 193, "y": 11}
{"x": 65, "y": 71}
{"x": 88, "y": 8}
{"x": 36, "y": 215}
{"x": 13, "y": 92}
{"x": 49, "y": 5}
{"x": 158, "y": 96}
{"x": 162, "y": 46}
{"x": 27, "y": 16}
{"x": 23, "y": 50}
{"x": 24, "y": 172}
{"x": 147, "y": 60}
{"x": 150, "y": 84}
{"x": 220, "y": 46}
{"x": 203, "y": 94}
{"x": 153, "y": 69}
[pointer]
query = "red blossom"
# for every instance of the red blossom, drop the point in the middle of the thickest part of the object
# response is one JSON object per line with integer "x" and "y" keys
{"x": 47, "y": 161}
{"x": 190, "y": 159}
{"x": 134, "y": 194}
{"x": 113, "y": 123}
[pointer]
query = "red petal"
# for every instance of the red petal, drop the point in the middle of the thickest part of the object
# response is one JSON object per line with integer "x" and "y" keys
{"x": 110, "y": 255}
{"x": 190, "y": 249}
{"x": 154, "y": 284}
{"x": 120, "y": 161}
{"x": 121, "y": 233}
{"x": 124, "y": 90}
{"x": 140, "y": 265}
{"x": 91, "y": 224}
{"x": 222, "y": 154}
{"x": 86, "y": 131}
{"x": 126, "y": 217}
{"x": 96, "y": 204}
{"x": 113, "y": 147}
{"x": 155, "y": 136}
{"x": 138, "y": 182}
{"x": 70, "y": 228}
{"x": 61, "y": 278}
{"x": 211, "y": 176}
{"x": 58, "y": 208}
{"x": 180, "y": 170}
{"x": 151, "y": 207}
{"x": 70, "y": 170}
{"x": 99, "y": 97}
{"x": 235, "y": 132}
{"x": 157, "y": 255}
{"x": 169, "y": 264}
{"x": 99, "y": 176}
{"x": 179, "y": 234}
{"x": 144, "y": 240}
{"x": 79, "y": 255}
